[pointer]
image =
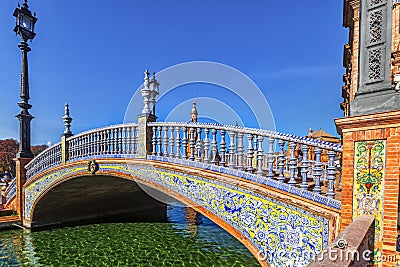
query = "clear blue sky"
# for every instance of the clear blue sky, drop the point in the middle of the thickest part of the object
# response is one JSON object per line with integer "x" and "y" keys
{"x": 92, "y": 54}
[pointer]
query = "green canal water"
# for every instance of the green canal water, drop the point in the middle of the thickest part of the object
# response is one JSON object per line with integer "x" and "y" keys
{"x": 175, "y": 242}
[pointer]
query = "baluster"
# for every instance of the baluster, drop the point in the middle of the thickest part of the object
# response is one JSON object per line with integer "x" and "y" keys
{"x": 171, "y": 142}
{"x": 85, "y": 145}
{"x": 120, "y": 140}
{"x": 115, "y": 139}
{"x": 191, "y": 144}
{"x": 128, "y": 137}
{"x": 92, "y": 142}
{"x": 110, "y": 141}
{"x": 339, "y": 168}
{"x": 223, "y": 148}
{"x": 165, "y": 141}
{"x": 154, "y": 141}
{"x": 107, "y": 141}
{"x": 89, "y": 144}
{"x": 159, "y": 141}
{"x": 270, "y": 157}
{"x": 240, "y": 151}
{"x": 104, "y": 141}
{"x": 331, "y": 174}
{"x": 293, "y": 162}
{"x": 94, "y": 134}
{"x": 113, "y": 143}
{"x": 81, "y": 146}
{"x": 135, "y": 140}
{"x": 206, "y": 146}
{"x": 317, "y": 170}
{"x": 76, "y": 147}
{"x": 281, "y": 160}
{"x": 124, "y": 139}
{"x": 214, "y": 148}
{"x": 231, "y": 163}
{"x": 95, "y": 142}
{"x": 304, "y": 166}
{"x": 198, "y": 145}
{"x": 178, "y": 142}
{"x": 184, "y": 143}
{"x": 260, "y": 155}
{"x": 250, "y": 153}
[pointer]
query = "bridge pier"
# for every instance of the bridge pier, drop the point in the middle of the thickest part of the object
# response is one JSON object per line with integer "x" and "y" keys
{"x": 370, "y": 174}
{"x": 20, "y": 181}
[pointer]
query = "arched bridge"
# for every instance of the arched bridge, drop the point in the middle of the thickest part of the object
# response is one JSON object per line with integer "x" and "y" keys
{"x": 274, "y": 192}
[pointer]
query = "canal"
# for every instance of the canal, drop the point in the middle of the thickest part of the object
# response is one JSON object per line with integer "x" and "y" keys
{"x": 180, "y": 238}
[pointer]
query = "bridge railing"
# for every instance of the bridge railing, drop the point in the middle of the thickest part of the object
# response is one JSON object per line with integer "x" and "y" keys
{"x": 48, "y": 158}
{"x": 306, "y": 162}
{"x": 113, "y": 140}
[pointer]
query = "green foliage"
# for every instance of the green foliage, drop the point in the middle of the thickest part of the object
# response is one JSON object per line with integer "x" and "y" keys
{"x": 8, "y": 150}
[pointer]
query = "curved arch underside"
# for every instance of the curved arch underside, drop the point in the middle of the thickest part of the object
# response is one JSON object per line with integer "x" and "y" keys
{"x": 89, "y": 198}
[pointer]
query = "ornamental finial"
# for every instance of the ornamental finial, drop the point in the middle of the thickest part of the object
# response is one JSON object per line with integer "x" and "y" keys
{"x": 67, "y": 121}
{"x": 26, "y": 4}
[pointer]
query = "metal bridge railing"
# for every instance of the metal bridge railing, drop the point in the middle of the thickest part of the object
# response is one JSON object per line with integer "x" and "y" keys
{"x": 288, "y": 158}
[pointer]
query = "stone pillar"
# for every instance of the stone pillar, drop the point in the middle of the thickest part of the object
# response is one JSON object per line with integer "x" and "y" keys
{"x": 21, "y": 179}
{"x": 145, "y": 134}
{"x": 64, "y": 149}
{"x": 370, "y": 175}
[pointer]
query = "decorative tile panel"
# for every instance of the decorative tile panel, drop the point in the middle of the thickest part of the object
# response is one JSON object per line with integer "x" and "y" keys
{"x": 287, "y": 234}
{"x": 142, "y": 151}
{"x": 369, "y": 181}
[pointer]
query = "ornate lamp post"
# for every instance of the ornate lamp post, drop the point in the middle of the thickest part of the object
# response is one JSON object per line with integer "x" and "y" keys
{"x": 155, "y": 85}
{"x": 25, "y": 26}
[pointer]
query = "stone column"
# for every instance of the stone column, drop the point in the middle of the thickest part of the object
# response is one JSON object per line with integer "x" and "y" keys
{"x": 370, "y": 175}
{"x": 145, "y": 134}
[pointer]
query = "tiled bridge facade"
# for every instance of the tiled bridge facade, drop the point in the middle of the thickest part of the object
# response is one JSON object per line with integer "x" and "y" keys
{"x": 274, "y": 192}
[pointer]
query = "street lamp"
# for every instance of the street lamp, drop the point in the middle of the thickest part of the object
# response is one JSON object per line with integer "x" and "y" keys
{"x": 25, "y": 26}
{"x": 154, "y": 87}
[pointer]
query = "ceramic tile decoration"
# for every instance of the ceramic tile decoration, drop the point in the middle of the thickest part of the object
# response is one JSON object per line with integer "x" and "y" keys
{"x": 368, "y": 189}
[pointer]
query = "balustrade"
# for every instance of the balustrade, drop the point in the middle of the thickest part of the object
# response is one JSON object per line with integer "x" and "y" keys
{"x": 295, "y": 160}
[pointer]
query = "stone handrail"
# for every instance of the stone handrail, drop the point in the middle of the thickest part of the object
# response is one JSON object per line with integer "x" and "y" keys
{"x": 298, "y": 160}
{"x": 353, "y": 247}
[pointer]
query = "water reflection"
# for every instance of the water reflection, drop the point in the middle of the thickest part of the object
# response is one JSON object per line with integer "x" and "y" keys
{"x": 187, "y": 239}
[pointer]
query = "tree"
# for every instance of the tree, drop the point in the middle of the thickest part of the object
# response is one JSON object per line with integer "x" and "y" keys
{"x": 36, "y": 150}
{"x": 8, "y": 150}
